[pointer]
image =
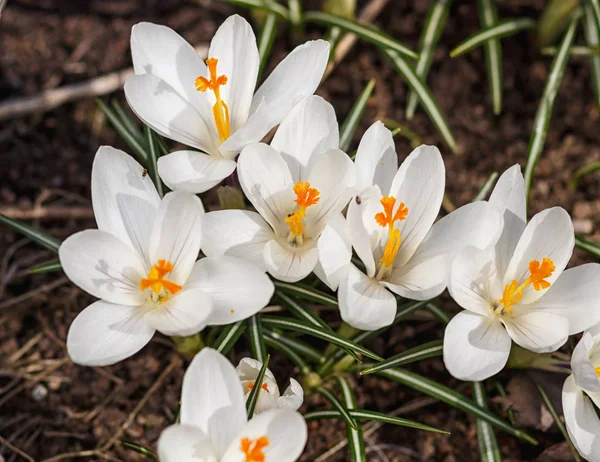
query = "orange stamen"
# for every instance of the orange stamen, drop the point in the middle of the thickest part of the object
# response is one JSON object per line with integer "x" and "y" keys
{"x": 264, "y": 386}
{"x": 305, "y": 197}
{"x": 220, "y": 109}
{"x": 388, "y": 218}
{"x": 253, "y": 449}
{"x": 514, "y": 292}
{"x": 597, "y": 369}
{"x": 156, "y": 279}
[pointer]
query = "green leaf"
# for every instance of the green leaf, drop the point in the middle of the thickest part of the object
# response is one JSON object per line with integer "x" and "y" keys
{"x": 544, "y": 111}
{"x": 127, "y": 121}
{"x": 139, "y": 449}
{"x": 361, "y": 414}
{"x": 229, "y": 336}
{"x": 275, "y": 342}
{"x": 302, "y": 348}
{"x": 266, "y": 39}
{"x": 438, "y": 313}
{"x": 591, "y": 28}
{"x": 486, "y": 188}
{"x": 266, "y": 5}
{"x": 353, "y": 118}
{"x": 583, "y": 171}
{"x": 502, "y": 392}
{"x": 37, "y": 236}
{"x": 453, "y": 398}
{"x": 488, "y": 445}
{"x": 503, "y": 29}
{"x": 153, "y": 151}
{"x": 318, "y": 332}
{"x": 356, "y": 441}
{"x": 588, "y": 246}
{"x": 255, "y": 336}
{"x": 427, "y": 350}
{"x": 367, "y": 33}
{"x": 307, "y": 293}
{"x": 255, "y": 392}
{"x": 430, "y": 35}
{"x": 298, "y": 310}
{"x": 295, "y": 18}
{"x": 339, "y": 407}
{"x": 596, "y": 7}
{"x": 124, "y": 132}
{"x": 488, "y": 17}
{"x": 424, "y": 94}
{"x": 575, "y": 51}
{"x": 46, "y": 267}
{"x": 554, "y": 20}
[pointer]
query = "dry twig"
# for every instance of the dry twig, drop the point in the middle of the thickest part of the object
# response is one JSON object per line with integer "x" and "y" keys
{"x": 4, "y": 442}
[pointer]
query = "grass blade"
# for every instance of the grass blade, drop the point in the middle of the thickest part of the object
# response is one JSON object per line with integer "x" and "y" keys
{"x": 488, "y": 17}
{"x": 338, "y": 406}
{"x": 424, "y": 94}
{"x": 575, "y": 51}
{"x": 294, "y": 357}
{"x": 153, "y": 151}
{"x": 130, "y": 138}
{"x": 591, "y": 28}
{"x": 486, "y": 188}
{"x": 356, "y": 440}
{"x": 544, "y": 111}
{"x": 587, "y": 246}
{"x": 596, "y": 7}
{"x": 266, "y": 40}
{"x": 255, "y": 392}
{"x": 307, "y": 293}
{"x": 301, "y": 312}
{"x": 135, "y": 447}
{"x": 488, "y": 445}
{"x": 229, "y": 336}
{"x": 264, "y": 5}
{"x": 298, "y": 346}
{"x": 353, "y": 118}
{"x": 368, "y": 33}
{"x": 37, "y": 236}
{"x": 502, "y": 392}
{"x": 256, "y": 338}
{"x": 127, "y": 121}
{"x": 427, "y": 350}
{"x": 434, "y": 26}
{"x": 438, "y": 313}
{"x": 46, "y": 267}
{"x": 583, "y": 171}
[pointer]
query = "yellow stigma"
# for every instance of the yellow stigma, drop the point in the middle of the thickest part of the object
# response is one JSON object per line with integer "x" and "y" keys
{"x": 157, "y": 282}
{"x": 305, "y": 197}
{"x": 388, "y": 218}
{"x": 513, "y": 292}
{"x": 253, "y": 449}
{"x": 220, "y": 109}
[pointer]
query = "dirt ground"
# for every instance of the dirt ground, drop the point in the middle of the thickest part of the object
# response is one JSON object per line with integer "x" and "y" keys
{"x": 50, "y": 408}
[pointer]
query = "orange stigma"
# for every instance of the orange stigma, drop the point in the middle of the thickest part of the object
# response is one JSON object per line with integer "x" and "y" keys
{"x": 253, "y": 449}
{"x": 305, "y": 197}
{"x": 513, "y": 292}
{"x": 263, "y": 386}
{"x": 220, "y": 109}
{"x": 156, "y": 279}
{"x": 388, "y": 218}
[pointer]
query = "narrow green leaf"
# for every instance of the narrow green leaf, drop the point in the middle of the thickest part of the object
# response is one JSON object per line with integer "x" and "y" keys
{"x": 307, "y": 293}
{"x": 299, "y": 311}
{"x": 502, "y": 392}
{"x": 255, "y": 392}
{"x": 430, "y": 35}
{"x": 591, "y": 28}
{"x": 134, "y": 144}
{"x": 544, "y": 111}
{"x": 453, "y": 398}
{"x": 583, "y": 171}
{"x": 266, "y": 40}
{"x": 37, "y": 236}
{"x": 587, "y": 246}
{"x": 46, "y": 267}
{"x": 295, "y": 18}
{"x": 339, "y": 407}
{"x": 367, "y": 33}
{"x": 265, "y": 5}
{"x": 503, "y": 29}
{"x": 427, "y": 350}
{"x": 127, "y": 121}
{"x": 488, "y": 445}
{"x": 424, "y": 94}
{"x": 553, "y": 21}
{"x": 356, "y": 440}
{"x": 438, "y": 313}
{"x": 319, "y": 332}
{"x": 294, "y": 357}
{"x": 300, "y": 347}
{"x": 139, "y": 449}
{"x": 256, "y": 338}
{"x": 153, "y": 151}
{"x": 596, "y": 7}
{"x": 353, "y": 118}
{"x": 575, "y": 51}
{"x": 486, "y": 188}
{"x": 229, "y": 336}
{"x": 488, "y": 17}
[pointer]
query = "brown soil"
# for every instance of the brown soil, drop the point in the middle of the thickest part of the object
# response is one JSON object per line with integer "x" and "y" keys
{"x": 49, "y": 406}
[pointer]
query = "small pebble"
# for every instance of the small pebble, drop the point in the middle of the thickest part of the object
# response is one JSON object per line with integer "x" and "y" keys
{"x": 39, "y": 392}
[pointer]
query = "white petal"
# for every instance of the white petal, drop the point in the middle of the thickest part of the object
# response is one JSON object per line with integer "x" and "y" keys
{"x": 254, "y": 130}
{"x": 186, "y": 313}
{"x": 376, "y": 159}
{"x": 193, "y": 171}
{"x": 124, "y": 200}
{"x": 297, "y": 76}
{"x": 419, "y": 184}
{"x": 287, "y": 264}
{"x": 335, "y": 251}
{"x": 103, "y": 266}
{"x": 581, "y": 420}
{"x": 292, "y": 397}
{"x": 105, "y": 333}
{"x": 308, "y": 130}
{"x": 185, "y": 443}
{"x": 584, "y": 372}
{"x": 212, "y": 398}
{"x": 176, "y": 234}
{"x": 364, "y": 303}
{"x": 161, "y": 107}
{"x": 238, "y": 289}
{"x": 236, "y": 233}
{"x": 285, "y": 430}
{"x": 509, "y": 197}
{"x": 234, "y": 45}
{"x": 549, "y": 234}
{"x": 419, "y": 279}
{"x": 475, "y": 347}
{"x": 249, "y": 368}
{"x": 538, "y": 331}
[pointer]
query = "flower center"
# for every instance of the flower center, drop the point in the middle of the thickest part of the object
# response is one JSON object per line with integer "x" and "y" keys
{"x": 156, "y": 281}
{"x": 305, "y": 197}
{"x": 388, "y": 218}
{"x": 514, "y": 292}
{"x": 253, "y": 449}
{"x": 264, "y": 386}
{"x": 220, "y": 109}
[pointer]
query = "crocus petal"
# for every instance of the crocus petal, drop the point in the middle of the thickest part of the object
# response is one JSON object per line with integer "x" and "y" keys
{"x": 308, "y": 130}
{"x": 124, "y": 200}
{"x": 193, "y": 171}
{"x": 238, "y": 289}
{"x": 475, "y": 347}
{"x": 335, "y": 251}
{"x": 186, "y": 313}
{"x": 419, "y": 279}
{"x": 212, "y": 399}
{"x": 284, "y": 429}
{"x": 584, "y": 371}
{"x": 249, "y": 368}
{"x": 297, "y": 76}
{"x": 581, "y": 420}
{"x": 376, "y": 159}
{"x": 364, "y": 303}
{"x": 236, "y": 233}
{"x": 538, "y": 331}
{"x": 292, "y": 397}
{"x": 185, "y": 443}
{"x": 509, "y": 197}
{"x": 287, "y": 264}
{"x": 103, "y": 266}
{"x": 549, "y": 234}
{"x": 105, "y": 333}
{"x": 161, "y": 107}
{"x": 576, "y": 296}
{"x": 419, "y": 184}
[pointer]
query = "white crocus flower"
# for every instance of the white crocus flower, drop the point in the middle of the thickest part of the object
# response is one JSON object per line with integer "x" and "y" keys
{"x": 214, "y": 426}
{"x": 391, "y": 227}
{"x": 297, "y": 184}
{"x": 213, "y": 106}
{"x": 518, "y": 290}
{"x": 141, "y": 263}
{"x": 269, "y": 397}
{"x": 581, "y": 396}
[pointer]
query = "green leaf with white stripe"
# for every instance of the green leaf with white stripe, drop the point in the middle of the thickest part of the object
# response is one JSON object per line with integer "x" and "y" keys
{"x": 46, "y": 267}
{"x": 256, "y": 338}
{"x": 300, "y": 311}
{"x": 488, "y": 17}
{"x": 587, "y": 246}
{"x": 291, "y": 354}
{"x": 37, "y": 236}
{"x": 486, "y": 188}
{"x": 427, "y": 350}
{"x": 338, "y": 406}
{"x": 302, "y": 348}
{"x": 356, "y": 441}
{"x": 488, "y": 445}
{"x": 353, "y": 118}
{"x": 153, "y": 155}
{"x": 229, "y": 336}
{"x": 255, "y": 392}
{"x": 591, "y": 28}
{"x": 307, "y": 293}
{"x": 265, "y": 5}
{"x": 135, "y": 143}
